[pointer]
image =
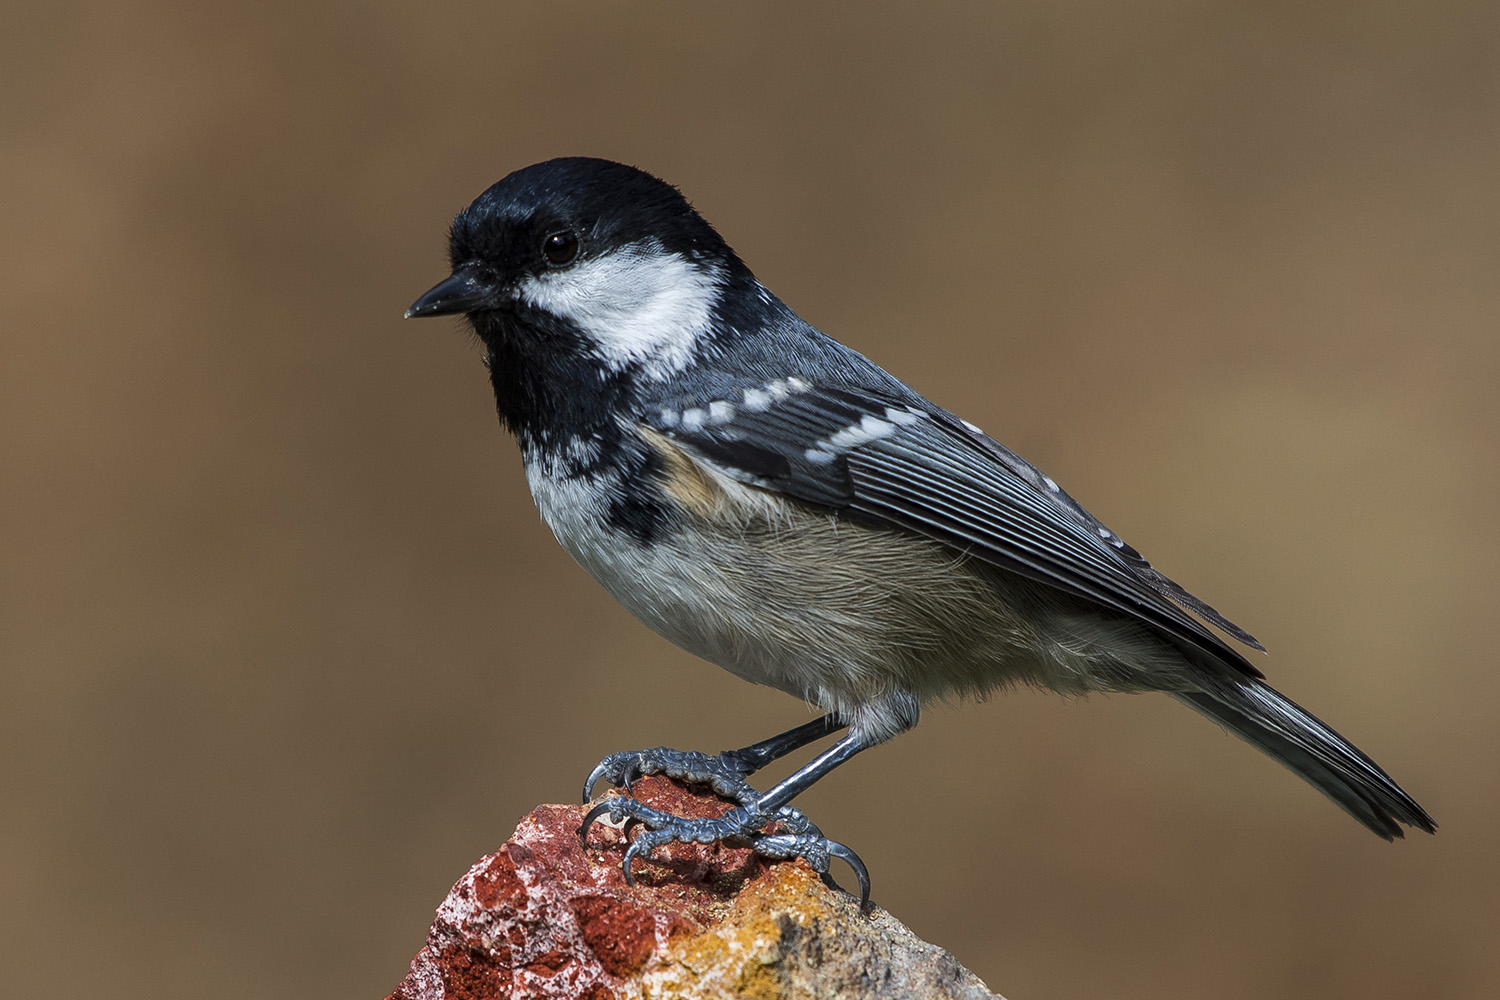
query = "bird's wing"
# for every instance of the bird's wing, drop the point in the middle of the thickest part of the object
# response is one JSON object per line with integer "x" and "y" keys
{"x": 921, "y": 468}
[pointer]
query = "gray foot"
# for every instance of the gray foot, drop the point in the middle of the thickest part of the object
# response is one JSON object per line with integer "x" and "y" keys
{"x": 725, "y": 773}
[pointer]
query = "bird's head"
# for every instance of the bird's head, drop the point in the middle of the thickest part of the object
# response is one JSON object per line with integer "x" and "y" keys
{"x": 586, "y": 255}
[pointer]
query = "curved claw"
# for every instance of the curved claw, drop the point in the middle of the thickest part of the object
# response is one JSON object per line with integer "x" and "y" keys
{"x": 622, "y": 769}
{"x": 837, "y": 850}
{"x": 590, "y": 818}
{"x": 638, "y": 848}
{"x": 599, "y": 771}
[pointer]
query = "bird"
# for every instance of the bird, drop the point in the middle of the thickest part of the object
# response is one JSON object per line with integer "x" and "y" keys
{"x": 776, "y": 503}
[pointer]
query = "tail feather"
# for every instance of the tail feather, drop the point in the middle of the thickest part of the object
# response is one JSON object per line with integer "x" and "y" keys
{"x": 1267, "y": 719}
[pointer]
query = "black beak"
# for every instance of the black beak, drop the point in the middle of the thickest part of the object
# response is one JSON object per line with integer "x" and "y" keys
{"x": 461, "y": 293}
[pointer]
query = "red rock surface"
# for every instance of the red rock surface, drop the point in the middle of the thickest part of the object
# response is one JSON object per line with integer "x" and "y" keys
{"x": 543, "y": 917}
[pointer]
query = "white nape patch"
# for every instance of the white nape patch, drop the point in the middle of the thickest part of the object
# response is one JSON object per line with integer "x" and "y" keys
{"x": 640, "y": 304}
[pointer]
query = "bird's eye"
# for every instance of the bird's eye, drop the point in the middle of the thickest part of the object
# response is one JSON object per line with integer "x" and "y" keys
{"x": 560, "y": 248}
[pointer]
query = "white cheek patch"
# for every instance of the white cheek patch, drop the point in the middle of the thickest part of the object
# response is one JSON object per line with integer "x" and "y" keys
{"x": 640, "y": 304}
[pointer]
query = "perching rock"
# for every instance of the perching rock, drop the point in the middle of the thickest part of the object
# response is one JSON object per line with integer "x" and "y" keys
{"x": 544, "y": 918}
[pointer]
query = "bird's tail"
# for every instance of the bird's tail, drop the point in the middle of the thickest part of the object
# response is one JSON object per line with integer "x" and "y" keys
{"x": 1264, "y": 717}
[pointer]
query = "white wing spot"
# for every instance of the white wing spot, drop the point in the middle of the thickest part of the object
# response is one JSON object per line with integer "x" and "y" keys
{"x": 757, "y": 400}
{"x": 905, "y": 416}
{"x": 819, "y": 456}
{"x": 869, "y": 428}
{"x": 693, "y": 419}
{"x": 1047, "y": 481}
{"x": 973, "y": 427}
{"x": 669, "y": 418}
{"x": 720, "y": 412}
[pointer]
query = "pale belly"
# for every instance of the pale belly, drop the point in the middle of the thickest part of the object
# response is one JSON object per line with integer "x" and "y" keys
{"x": 847, "y": 616}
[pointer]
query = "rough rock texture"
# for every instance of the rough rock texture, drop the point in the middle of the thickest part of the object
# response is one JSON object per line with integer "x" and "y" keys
{"x": 542, "y": 917}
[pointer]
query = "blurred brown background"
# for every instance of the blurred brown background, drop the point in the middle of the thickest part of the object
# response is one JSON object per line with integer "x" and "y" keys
{"x": 285, "y": 646}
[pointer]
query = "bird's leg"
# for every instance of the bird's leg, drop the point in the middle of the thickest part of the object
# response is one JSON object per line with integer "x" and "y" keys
{"x": 724, "y": 772}
{"x": 747, "y": 822}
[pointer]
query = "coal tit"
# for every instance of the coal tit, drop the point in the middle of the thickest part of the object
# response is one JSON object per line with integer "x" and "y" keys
{"x": 776, "y": 503}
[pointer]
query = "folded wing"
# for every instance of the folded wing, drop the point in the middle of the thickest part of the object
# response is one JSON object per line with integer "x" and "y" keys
{"x": 913, "y": 465}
